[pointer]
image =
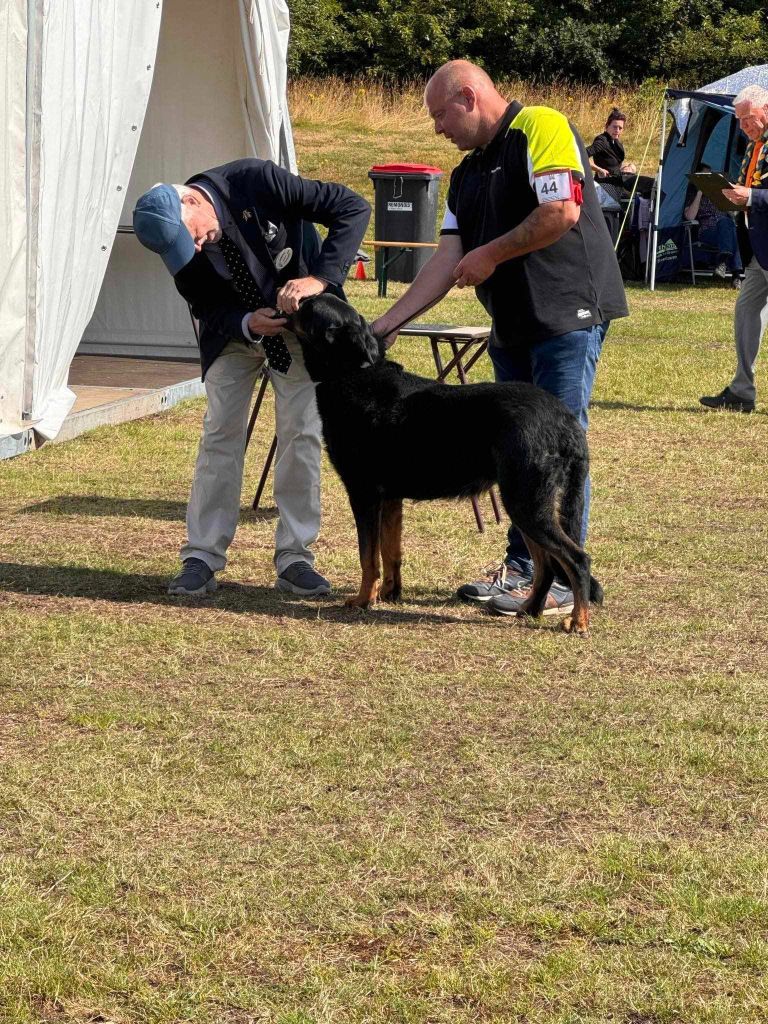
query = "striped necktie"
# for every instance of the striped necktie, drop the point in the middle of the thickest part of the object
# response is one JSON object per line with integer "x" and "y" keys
{"x": 242, "y": 281}
{"x": 756, "y": 148}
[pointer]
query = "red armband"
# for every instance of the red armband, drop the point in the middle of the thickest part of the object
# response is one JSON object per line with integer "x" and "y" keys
{"x": 578, "y": 191}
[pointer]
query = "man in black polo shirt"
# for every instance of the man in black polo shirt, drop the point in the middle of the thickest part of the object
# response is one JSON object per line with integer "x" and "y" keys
{"x": 524, "y": 227}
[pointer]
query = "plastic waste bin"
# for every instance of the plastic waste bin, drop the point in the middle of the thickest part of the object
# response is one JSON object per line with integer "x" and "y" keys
{"x": 405, "y": 210}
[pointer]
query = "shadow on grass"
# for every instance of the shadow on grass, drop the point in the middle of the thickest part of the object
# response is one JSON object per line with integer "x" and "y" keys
{"x": 130, "y": 508}
{"x": 135, "y": 588}
{"x": 698, "y": 409}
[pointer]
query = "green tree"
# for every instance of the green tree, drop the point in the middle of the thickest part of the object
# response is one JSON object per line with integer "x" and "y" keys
{"x": 587, "y": 40}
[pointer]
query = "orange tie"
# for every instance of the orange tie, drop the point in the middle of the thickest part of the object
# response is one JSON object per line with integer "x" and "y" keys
{"x": 756, "y": 147}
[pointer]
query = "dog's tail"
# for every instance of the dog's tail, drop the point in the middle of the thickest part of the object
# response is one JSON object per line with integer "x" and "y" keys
{"x": 572, "y": 499}
{"x": 572, "y": 513}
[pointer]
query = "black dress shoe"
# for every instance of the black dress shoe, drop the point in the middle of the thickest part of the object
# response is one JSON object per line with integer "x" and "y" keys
{"x": 727, "y": 400}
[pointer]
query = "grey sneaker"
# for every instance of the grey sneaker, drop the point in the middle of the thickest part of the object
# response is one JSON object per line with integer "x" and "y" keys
{"x": 498, "y": 580}
{"x": 559, "y": 600}
{"x": 300, "y": 578}
{"x": 194, "y": 580}
{"x": 721, "y": 270}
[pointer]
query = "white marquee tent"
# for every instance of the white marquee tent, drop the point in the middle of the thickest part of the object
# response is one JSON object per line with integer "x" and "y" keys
{"x": 100, "y": 100}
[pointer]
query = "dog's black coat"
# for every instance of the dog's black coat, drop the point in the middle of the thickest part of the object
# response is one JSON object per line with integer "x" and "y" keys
{"x": 393, "y": 435}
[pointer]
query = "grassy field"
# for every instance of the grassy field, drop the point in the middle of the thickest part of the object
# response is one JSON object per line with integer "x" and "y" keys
{"x": 261, "y": 809}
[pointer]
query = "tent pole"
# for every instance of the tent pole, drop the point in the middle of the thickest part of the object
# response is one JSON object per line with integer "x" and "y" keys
{"x": 657, "y": 203}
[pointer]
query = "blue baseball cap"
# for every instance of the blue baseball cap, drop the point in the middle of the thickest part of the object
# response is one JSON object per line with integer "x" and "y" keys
{"x": 158, "y": 226}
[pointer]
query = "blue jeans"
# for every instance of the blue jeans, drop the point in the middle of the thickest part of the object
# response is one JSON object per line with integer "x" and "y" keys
{"x": 722, "y": 235}
{"x": 565, "y": 366}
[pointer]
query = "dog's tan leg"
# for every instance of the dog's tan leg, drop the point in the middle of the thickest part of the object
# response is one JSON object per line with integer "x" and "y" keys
{"x": 392, "y": 548}
{"x": 367, "y": 515}
{"x": 370, "y": 581}
{"x": 578, "y": 621}
{"x": 569, "y": 557}
{"x": 542, "y": 580}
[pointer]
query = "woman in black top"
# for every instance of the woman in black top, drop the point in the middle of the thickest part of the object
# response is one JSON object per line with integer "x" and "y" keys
{"x": 606, "y": 158}
{"x": 606, "y": 154}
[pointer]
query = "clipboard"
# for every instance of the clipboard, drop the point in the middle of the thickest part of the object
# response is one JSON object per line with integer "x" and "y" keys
{"x": 712, "y": 183}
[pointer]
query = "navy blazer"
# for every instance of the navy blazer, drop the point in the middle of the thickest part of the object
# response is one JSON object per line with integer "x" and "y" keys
{"x": 258, "y": 193}
{"x": 757, "y": 220}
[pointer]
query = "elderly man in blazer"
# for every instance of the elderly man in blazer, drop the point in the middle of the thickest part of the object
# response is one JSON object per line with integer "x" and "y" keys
{"x": 751, "y": 314}
{"x": 240, "y": 244}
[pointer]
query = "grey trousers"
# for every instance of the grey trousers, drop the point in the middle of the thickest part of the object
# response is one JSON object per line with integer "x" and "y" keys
{"x": 214, "y": 504}
{"x": 750, "y": 322}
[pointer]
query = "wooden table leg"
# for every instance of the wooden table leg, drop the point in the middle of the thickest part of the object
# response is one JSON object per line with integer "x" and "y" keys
{"x": 441, "y": 375}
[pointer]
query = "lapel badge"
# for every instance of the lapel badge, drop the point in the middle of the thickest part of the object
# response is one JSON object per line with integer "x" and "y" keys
{"x": 283, "y": 258}
{"x": 247, "y": 214}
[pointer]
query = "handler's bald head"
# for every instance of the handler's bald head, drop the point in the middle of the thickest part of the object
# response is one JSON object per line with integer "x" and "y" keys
{"x": 453, "y": 76}
{"x": 464, "y": 103}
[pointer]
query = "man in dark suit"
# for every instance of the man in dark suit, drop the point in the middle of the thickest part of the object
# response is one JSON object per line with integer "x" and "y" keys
{"x": 240, "y": 243}
{"x": 751, "y": 313}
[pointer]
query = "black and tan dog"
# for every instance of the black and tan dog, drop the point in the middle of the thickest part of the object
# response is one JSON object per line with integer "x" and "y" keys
{"x": 392, "y": 435}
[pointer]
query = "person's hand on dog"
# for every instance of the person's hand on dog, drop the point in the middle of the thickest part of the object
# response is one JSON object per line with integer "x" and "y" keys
{"x": 292, "y": 292}
{"x": 266, "y": 321}
{"x": 476, "y": 267}
{"x": 380, "y": 328}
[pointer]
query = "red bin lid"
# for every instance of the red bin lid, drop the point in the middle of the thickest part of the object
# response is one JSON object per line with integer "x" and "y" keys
{"x": 407, "y": 169}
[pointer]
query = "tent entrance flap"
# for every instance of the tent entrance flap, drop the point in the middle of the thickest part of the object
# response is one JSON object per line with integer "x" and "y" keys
{"x": 78, "y": 150}
{"x": 201, "y": 113}
{"x": 97, "y": 63}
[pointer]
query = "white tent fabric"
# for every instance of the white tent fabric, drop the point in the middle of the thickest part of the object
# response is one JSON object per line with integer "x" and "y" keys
{"x": 265, "y": 28}
{"x": 226, "y": 102}
{"x": 93, "y": 144}
{"x": 13, "y": 221}
{"x": 97, "y": 59}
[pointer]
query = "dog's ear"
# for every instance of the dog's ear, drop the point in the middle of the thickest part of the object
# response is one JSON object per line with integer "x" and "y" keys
{"x": 356, "y": 339}
{"x": 370, "y": 344}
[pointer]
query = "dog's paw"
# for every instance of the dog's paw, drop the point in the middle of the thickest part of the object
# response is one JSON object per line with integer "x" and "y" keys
{"x": 358, "y": 602}
{"x": 392, "y": 594}
{"x": 570, "y": 625}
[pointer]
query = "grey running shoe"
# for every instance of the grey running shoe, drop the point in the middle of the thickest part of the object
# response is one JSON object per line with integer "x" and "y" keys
{"x": 194, "y": 580}
{"x": 727, "y": 400}
{"x": 300, "y": 578}
{"x": 498, "y": 580}
{"x": 559, "y": 600}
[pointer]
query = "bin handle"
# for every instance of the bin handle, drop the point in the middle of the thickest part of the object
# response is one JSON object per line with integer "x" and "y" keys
{"x": 398, "y": 192}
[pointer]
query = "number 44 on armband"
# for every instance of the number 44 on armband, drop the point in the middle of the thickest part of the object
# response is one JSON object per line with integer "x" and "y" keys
{"x": 553, "y": 186}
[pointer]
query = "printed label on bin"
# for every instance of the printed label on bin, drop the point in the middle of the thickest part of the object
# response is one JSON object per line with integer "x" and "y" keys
{"x": 400, "y": 207}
